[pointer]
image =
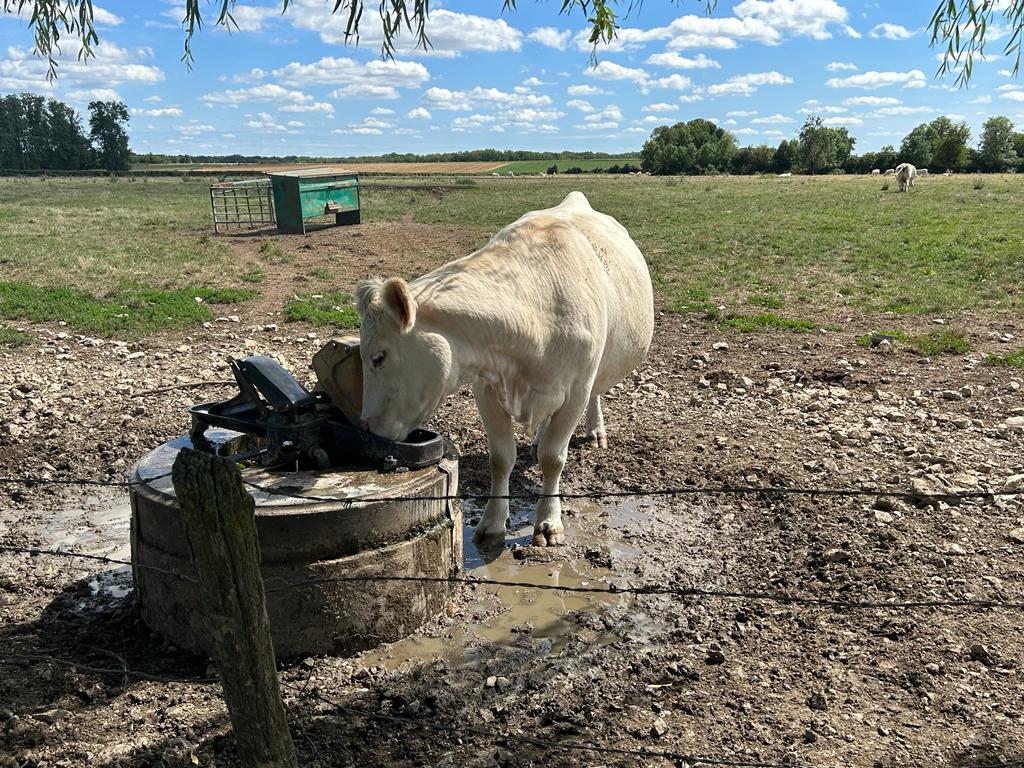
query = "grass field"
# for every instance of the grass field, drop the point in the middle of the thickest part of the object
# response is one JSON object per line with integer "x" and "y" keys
{"x": 787, "y": 248}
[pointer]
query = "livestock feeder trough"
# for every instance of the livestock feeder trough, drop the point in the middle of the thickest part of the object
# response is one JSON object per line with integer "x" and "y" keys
{"x": 331, "y": 501}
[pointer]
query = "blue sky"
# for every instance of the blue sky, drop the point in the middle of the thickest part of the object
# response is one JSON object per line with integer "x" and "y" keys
{"x": 287, "y": 84}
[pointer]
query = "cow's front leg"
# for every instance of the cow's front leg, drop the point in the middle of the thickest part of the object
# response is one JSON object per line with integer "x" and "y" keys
{"x": 551, "y": 454}
{"x": 595, "y": 424}
{"x": 501, "y": 443}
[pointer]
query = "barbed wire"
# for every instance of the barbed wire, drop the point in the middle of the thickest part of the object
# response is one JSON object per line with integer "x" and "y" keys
{"x": 723, "y": 489}
{"x": 783, "y": 598}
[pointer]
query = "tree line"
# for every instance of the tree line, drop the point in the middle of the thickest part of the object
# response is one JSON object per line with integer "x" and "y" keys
{"x": 703, "y": 147}
{"x": 37, "y": 133}
{"x": 464, "y": 156}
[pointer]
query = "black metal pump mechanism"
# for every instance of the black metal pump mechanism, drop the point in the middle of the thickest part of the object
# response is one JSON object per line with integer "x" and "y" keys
{"x": 302, "y": 428}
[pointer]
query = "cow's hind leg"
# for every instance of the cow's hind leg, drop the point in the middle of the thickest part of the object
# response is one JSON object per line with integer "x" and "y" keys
{"x": 501, "y": 442}
{"x": 595, "y": 423}
{"x": 551, "y": 454}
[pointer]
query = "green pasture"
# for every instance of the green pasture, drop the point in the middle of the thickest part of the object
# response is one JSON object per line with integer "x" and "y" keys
{"x": 800, "y": 247}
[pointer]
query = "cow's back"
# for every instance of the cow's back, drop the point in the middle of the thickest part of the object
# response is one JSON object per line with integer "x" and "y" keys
{"x": 629, "y": 298}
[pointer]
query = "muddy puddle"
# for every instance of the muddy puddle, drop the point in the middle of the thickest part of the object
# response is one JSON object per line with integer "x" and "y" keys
{"x": 512, "y": 617}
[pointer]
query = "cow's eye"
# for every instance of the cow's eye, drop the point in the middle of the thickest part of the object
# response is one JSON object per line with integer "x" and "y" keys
{"x": 378, "y": 359}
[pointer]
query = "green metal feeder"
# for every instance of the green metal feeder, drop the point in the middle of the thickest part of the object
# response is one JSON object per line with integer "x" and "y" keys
{"x": 307, "y": 193}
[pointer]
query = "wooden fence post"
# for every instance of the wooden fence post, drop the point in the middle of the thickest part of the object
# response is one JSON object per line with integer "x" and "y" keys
{"x": 221, "y": 528}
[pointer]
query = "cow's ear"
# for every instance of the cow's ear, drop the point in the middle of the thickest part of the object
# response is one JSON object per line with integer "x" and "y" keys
{"x": 399, "y": 302}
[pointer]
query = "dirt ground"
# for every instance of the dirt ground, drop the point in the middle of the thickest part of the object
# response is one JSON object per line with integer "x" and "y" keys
{"x": 721, "y": 679}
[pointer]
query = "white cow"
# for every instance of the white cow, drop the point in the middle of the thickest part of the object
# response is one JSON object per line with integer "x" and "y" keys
{"x": 890, "y": 172}
{"x": 922, "y": 172}
{"x": 905, "y": 175}
{"x": 553, "y": 312}
{"x": 785, "y": 175}
{"x": 875, "y": 172}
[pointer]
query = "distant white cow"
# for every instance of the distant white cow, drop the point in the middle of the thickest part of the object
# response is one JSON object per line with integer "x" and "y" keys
{"x": 922, "y": 171}
{"x": 890, "y": 172}
{"x": 875, "y": 172}
{"x": 785, "y": 175}
{"x": 548, "y": 316}
{"x": 948, "y": 172}
{"x": 905, "y": 175}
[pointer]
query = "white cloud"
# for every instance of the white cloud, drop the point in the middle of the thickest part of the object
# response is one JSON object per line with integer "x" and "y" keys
{"x": 985, "y": 99}
{"x": 382, "y": 111}
{"x": 656, "y": 120}
{"x": 772, "y": 133}
{"x": 264, "y": 122}
{"x": 1013, "y": 95}
{"x": 154, "y": 99}
{"x": 611, "y": 112}
{"x": 823, "y": 109}
{"x": 871, "y": 80}
{"x": 105, "y": 18}
{"x": 360, "y": 129}
{"x": 661, "y": 106}
{"x": 93, "y": 94}
{"x": 451, "y": 34}
{"x": 248, "y": 18}
{"x": 771, "y": 119}
{"x": 674, "y": 60}
{"x": 609, "y": 70}
{"x": 316, "y": 106}
{"x": 745, "y": 85}
{"x": 159, "y": 112}
{"x": 688, "y": 98}
{"x": 741, "y": 113}
{"x": 888, "y": 111}
{"x": 840, "y": 121}
{"x": 746, "y": 132}
{"x": 837, "y": 66}
{"x": 807, "y": 18}
{"x": 365, "y": 91}
{"x": 1005, "y": 73}
{"x": 585, "y": 90}
{"x": 674, "y": 81}
{"x": 345, "y": 71}
{"x": 551, "y": 37}
{"x": 111, "y": 65}
{"x": 443, "y": 98}
{"x": 581, "y": 104}
{"x": 419, "y": 113}
{"x": 268, "y": 92}
{"x": 851, "y": 32}
{"x": 472, "y": 122}
{"x": 605, "y": 126}
{"x": 871, "y": 101}
{"x": 891, "y": 31}
{"x": 296, "y": 124}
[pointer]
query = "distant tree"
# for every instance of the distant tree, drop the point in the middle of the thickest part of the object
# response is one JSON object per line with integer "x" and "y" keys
{"x": 822, "y": 148}
{"x": 886, "y": 158}
{"x": 997, "y": 145}
{"x": 108, "y": 123}
{"x": 1018, "y": 146}
{"x": 785, "y": 157}
{"x": 69, "y": 147}
{"x": 696, "y": 147}
{"x": 750, "y": 160}
{"x": 940, "y": 143}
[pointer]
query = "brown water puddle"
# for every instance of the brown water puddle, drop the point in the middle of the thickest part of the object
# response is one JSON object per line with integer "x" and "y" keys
{"x": 531, "y": 614}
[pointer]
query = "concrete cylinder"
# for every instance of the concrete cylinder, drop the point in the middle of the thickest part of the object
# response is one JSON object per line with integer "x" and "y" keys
{"x": 309, "y": 540}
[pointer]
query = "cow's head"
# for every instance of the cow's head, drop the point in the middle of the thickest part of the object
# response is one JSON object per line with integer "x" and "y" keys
{"x": 405, "y": 368}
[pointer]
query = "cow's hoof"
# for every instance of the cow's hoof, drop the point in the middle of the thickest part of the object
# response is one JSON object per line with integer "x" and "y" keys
{"x": 488, "y": 538}
{"x": 598, "y": 440}
{"x": 548, "y": 535}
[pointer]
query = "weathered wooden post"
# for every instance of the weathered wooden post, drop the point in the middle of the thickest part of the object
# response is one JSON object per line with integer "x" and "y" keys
{"x": 221, "y": 529}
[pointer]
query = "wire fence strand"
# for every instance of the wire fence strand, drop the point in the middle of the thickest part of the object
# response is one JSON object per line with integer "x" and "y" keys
{"x": 782, "y": 598}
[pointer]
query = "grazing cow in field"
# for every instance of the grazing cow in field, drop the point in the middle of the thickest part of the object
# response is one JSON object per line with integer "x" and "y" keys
{"x": 905, "y": 175}
{"x": 948, "y": 172}
{"x": 552, "y": 313}
{"x": 890, "y": 172}
{"x": 922, "y": 171}
{"x": 785, "y": 175}
{"x": 875, "y": 172}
